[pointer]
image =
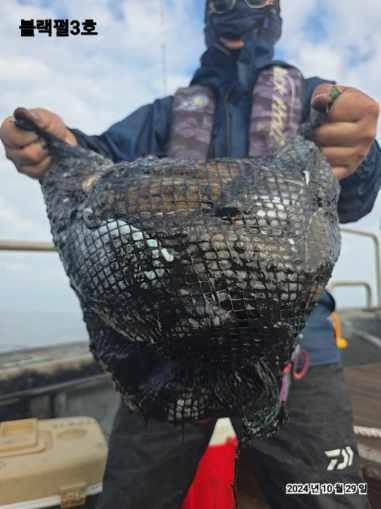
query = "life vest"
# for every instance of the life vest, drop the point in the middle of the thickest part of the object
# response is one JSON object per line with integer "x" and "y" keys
{"x": 276, "y": 115}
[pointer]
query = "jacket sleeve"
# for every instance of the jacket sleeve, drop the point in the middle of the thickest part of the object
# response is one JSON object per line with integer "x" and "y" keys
{"x": 144, "y": 132}
{"x": 359, "y": 191}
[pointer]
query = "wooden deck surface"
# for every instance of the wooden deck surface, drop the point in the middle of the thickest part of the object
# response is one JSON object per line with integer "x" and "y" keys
{"x": 364, "y": 383}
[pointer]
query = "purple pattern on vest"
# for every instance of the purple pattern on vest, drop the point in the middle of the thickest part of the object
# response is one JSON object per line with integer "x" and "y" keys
{"x": 276, "y": 115}
{"x": 277, "y": 109}
{"x": 193, "y": 116}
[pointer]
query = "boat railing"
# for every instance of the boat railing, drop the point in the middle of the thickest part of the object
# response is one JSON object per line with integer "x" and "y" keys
{"x": 31, "y": 246}
{"x": 23, "y": 245}
{"x": 377, "y": 260}
{"x": 354, "y": 284}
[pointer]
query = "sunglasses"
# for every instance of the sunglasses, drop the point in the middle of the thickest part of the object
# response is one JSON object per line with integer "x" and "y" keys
{"x": 222, "y": 6}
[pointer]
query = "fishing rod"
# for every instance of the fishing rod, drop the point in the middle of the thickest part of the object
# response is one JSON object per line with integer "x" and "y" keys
{"x": 163, "y": 46}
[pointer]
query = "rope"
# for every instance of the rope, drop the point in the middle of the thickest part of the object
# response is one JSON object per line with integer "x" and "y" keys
{"x": 367, "y": 432}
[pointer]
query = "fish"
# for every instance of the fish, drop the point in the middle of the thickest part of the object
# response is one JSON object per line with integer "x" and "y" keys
{"x": 195, "y": 278}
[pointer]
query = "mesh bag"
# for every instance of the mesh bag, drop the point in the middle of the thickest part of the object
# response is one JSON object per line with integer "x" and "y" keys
{"x": 196, "y": 278}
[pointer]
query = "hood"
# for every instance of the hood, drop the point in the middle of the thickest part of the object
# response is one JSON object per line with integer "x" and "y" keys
{"x": 260, "y": 29}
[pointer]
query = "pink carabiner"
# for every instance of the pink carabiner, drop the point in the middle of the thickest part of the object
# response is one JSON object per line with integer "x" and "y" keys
{"x": 287, "y": 368}
{"x": 303, "y": 358}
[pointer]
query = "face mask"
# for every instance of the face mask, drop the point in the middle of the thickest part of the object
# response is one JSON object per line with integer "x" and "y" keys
{"x": 242, "y": 21}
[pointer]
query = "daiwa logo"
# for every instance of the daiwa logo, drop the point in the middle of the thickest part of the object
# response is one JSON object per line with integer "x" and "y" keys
{"x": 341, "y": 458}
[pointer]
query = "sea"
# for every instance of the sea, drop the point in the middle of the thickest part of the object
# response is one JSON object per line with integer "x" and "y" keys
{"x": 30, "y": 329}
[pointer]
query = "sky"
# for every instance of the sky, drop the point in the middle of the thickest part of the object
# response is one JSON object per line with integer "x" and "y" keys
{"x": 95, "y": 81}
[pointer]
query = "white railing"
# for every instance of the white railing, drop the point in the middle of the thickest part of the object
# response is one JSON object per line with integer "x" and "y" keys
{"x": 14, "y": 245}
{"x": 22, "y": 245}
{"x": 377, "y": 259}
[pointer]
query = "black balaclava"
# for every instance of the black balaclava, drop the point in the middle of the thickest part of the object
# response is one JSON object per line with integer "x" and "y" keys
{"x": 260, "y": 29}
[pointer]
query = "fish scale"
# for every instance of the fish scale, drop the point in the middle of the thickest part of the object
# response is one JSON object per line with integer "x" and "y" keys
{"x": 195, "y": 278}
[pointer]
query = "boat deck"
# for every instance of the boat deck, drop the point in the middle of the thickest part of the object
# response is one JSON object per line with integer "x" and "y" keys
{"x": 363, "y": 376}
{"x": 364, "y": 383}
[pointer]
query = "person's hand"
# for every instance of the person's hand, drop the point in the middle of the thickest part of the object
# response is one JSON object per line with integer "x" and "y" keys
{"x": 26, "y": 149}
{"x": 349, "y": 128}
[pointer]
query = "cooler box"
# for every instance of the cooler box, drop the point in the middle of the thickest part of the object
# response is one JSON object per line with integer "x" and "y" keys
{"x": 51, "y": 463}
{"x": 212, "y": 486}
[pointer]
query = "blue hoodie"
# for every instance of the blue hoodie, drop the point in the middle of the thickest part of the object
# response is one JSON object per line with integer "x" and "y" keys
{"x": 231, "y": 76}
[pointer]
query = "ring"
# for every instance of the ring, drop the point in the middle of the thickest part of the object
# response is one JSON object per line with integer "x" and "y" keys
{"x": 334, "y": 94}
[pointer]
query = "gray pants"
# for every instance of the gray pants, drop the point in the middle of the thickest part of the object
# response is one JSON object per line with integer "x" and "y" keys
{"x": 152, "y": 465}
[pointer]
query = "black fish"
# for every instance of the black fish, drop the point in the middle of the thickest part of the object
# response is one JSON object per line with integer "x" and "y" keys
{"x": 195, "y": 278}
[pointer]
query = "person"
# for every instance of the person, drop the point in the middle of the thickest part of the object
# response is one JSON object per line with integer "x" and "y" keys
{"x": 153, "y": 465}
